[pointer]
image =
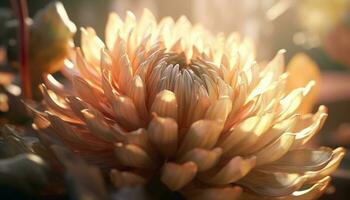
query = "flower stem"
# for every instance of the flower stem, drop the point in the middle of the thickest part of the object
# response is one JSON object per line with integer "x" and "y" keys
{"x": 21, "y": 10}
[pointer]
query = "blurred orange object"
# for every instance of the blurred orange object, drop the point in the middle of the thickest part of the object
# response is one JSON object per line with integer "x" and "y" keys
{"x": 6, "y": 78}
{"x": 302, "y": 69}
{"x": 2, "y": 55}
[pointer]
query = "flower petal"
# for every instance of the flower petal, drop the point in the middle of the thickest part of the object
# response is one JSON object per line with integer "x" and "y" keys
{"x": 338, "y": 155}
{"x": 98, "y": 126}
{"x": 290, "y": 103}
{"x": 214, "y": 193}
{"x": 163, "y": 133}
{"x": 302, "y": 160}
{"x": 308, "y": 126}
{"x": 126, "y": 179}
{"x": 125, "y": 75}
{"x": 273, "y": 184}
{"x": 114, "y": 25}
{"x": 86, "y": 70}
{"x": 165, "y": 104}
{"x": 58, "y": 105}
{"x": 242, "y": 130}
{"x": 204, "y": 159}
{"x": 274, "y": 132}
{"x": 176, "y": 176}
{"x": 220, "y": 109}
{"x": 137, "y": 92}
{"x": 126, "y": 113}
{"x": 87, "y": 92}
{"x": 91, "y": 45}
{"x": 243, "y": 146}
{"x": 133, "y": 156}
{"x": 310, "y": 192}
{"x": 202, "y": 134}
{"x": 234, "y": 170}
{"x": 275, "y": 150}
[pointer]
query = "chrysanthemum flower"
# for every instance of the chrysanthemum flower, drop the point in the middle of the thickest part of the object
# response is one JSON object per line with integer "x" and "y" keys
{"x": 171, "y": 100}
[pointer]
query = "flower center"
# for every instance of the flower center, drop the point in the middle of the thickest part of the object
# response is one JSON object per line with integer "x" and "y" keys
{"x": 191, "y": 81}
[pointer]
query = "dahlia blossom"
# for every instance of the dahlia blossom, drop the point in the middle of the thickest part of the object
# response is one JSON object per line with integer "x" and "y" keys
{"x": 171, "y": 100}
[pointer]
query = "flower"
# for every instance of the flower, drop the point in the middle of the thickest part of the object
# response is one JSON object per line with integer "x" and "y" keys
{"x": 171, "y": 100}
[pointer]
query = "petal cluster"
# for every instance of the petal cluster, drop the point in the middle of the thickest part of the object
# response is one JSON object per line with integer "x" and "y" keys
{"x": 170, "y": 99}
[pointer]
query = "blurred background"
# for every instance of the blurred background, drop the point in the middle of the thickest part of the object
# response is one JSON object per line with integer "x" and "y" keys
{"x": 317, "y": 29}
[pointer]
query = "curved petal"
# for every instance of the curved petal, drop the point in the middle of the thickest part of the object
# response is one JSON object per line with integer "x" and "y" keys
{"x": 77, "y": 105}
{"x": 213, "y": 193}
{"x": 165, "y": 104}
{"x": 98, "y": 126}
{"x": 274, "y": 133}
{"x": 126, "y": 179}
{"x": 275, "y": 150}
{"x": 114, "y": 25}
{"x": 163, "y": 133}
{"x": 91, "y": 45}
{"x": 220, "y": 109}
{"x": 204, "y": 159}
{"x": 137, "y": 92}
{"x": 176, "y": 176}
{"x": 242, "y": 130}
{"x": 202, "y": 134}
{"x": 338, "y": 155}
{"x": 308, "y": 126}
{"x": 126, "y": 113}
{"x": 272, "y": 184}
{"x": 52, "y": 84}
{"x": 234, "y": 170}
{"x": 302, "y": 160}
{"x": 125, "y": 75}
{"x": 250, "y": 140}
{"x": 290, "y": 103}
{"x": 139, "y": 137}
{"x": 58, "y": 105}
{"x": 311, "y": 192}
{"x": 86, "y": 70}
{"x": 87, "y": 92}
{"x": 133, "y": 156}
